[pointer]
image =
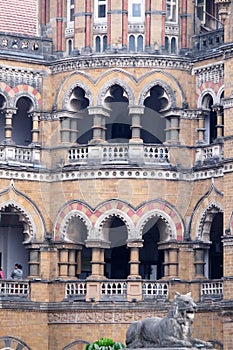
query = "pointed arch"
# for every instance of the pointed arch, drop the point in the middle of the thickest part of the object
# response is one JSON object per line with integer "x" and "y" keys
{"x": 33, "y": 222}
{"x": 74, "y": 209}
{"x": 207, "y": 204}
{"x": 115, "y": 81}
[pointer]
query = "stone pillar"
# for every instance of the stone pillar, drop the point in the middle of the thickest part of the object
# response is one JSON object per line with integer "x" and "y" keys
{"x": 148, "y": 25}
{"x": 88, "y": 15}
{"x": 124, "y": 24}
{"x": 201, "y": 127}
{"x": 8, "y": 125}
{"x": 109, "y": 25}
{"x": 35, "y": 127}
{"x": 65, "y": 129}
{"x": 97, "y": 262}
{"x": 163, "y": 23}
{"x": 174, "y": 129}
{"x": 134, "y": 262}
{"x": 59, "y": 20}
{"x": 219, "y": 112}
{"x": 199, "y": 260}
{"x": 184, "y": 16}
{"x": 171, "y": 259}
{"x": 33, "y": 261}
{"x": 99, "y": 120}
{"x": 228, "y": 265}
{"x": 136, "y": 113}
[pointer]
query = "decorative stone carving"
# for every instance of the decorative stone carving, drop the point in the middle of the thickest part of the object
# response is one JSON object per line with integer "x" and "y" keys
{"x": 174, "y": 330}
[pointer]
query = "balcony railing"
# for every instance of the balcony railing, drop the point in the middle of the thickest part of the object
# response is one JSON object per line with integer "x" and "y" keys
{"x": 118, "y": 153}
{"x": 212, "y": 291}
{"x": 17, "y": 156}
{"x": 25, "y": 46}
{"x": 210, "y": 41}
{"x": 209, "y": 154}
{"x": 13, "y": 288}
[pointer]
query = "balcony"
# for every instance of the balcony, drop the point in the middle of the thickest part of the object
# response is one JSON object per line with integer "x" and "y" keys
{"x": 207, "y": 43}
{"x": 209, "y": 154}
{"x": 25, "y": 46}
{"x": 12, "y": 155}
{"x": 118, "y": 154}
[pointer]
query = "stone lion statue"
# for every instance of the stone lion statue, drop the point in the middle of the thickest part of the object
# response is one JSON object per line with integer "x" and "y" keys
{"x": 174, "y": 330}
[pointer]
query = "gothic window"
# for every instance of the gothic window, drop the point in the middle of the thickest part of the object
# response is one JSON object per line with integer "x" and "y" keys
{"x": 171, "y": 11}
{"x": 22, "y": 122}
{"x": 173, "y": 46}
{"x": 69, "y": 46}
{"x": 136, "y": 43}
{"x": 101, "y": 43}
{"x": 210, "y": 119}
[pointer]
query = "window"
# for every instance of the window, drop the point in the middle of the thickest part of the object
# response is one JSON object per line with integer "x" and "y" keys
{"x": 136, "y": 10}
{"x": 201, "y": 10}
{"x": 100, "y": 9}
{"x": 70, "y": 12}
{"x": 136, "y": 43}
{"x": 171, "y": 10}
{"x": 101, "y": 43}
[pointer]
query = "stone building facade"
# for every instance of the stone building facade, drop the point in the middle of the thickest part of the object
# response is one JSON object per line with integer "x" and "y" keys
{"x": 115, "y": 167}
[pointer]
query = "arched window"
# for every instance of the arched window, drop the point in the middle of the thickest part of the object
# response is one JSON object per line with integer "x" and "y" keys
{"x": 166, "y": 44}
{"x": 97, "y": 44}
{"x": 132, "y": 43}
{"x": 70, "y": 46}
{"x": 22, "y": 123}
{"x": 140, "y": 43}
{"x": 210, "y": 119}
{"x": 105, "y": 42}
{"x": 173, "y": 46}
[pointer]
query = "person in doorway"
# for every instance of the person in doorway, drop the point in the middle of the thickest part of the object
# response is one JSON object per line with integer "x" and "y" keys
{"x": 17, "y": 273}
{"x": 2, "y": 275}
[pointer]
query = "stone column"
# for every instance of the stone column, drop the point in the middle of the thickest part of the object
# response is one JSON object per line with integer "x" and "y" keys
{"x": 171, "y": 259}
{"x": 8, "y": 125}
{"x": 199, "y": 260}
{"x": 134, "y": 262}
{"x": 148, "y": 25}
{"x": 88, "y": 15}
{"x": 97, "y": 262}
{"x": 201, "y": 127}
{"x": 172, "y": 125}
{"x": 219, "y": 111}
{"x": 124, "y": 23}
{"x": 35, "y": 127}
{"x": 136, "y": 113}
{"x": 100, "y": 115}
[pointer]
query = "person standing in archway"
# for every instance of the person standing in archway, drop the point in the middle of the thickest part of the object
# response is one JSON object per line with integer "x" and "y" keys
{"x": 17, "y": 273}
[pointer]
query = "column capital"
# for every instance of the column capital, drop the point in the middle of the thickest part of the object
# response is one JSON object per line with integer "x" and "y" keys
{"x": 10, "y": 111}
{"x": 98, "y": 110}
{"x": 136, "y": 109}
{"x": 135, "y": 243}
{"x": 97, "y": 243}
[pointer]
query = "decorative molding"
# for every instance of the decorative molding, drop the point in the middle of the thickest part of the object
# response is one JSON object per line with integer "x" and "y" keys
{"x": 115, "y": 61}
{"x": 16, "y": 76}
{"x": 213, "y": 73}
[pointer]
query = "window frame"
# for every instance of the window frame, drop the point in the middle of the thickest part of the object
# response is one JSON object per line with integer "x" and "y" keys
{"x": 131, "y": 17}
{"x": 172, "y": 4}
{"x": 97, "y": 5}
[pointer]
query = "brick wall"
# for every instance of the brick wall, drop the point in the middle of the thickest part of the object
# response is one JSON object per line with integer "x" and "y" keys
{"x": 19, "y": 16}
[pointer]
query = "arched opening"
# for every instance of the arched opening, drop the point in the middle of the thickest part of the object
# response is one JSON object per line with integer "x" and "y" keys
{"x": 77, "y": 233}
{"x": 70, "y": 46}
{"x": 131, "y": 43}
{"x": 140, "y": 43}
{"x": 216, "y": 247}
{"x": 80, "y": 125}
{"x": 22, "y": 122}
{"x": 12, "y": 236}
{"x": 105, "y": 42}
{"x": 210, "y": 119}
{"x": 118, "y": 126}
{"x": 2, "y": 118}
{"x": 166, "y": 44}
{"x": 97, "y": 44}
{"x": 153, "y": 124}
{"x": 117, "y": 257}
{"x": 173, "y": 46}
{"x": 150, "y": 257}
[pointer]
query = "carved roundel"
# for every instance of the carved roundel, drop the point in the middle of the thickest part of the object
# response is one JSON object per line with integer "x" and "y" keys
{"x": 11, "y": 343}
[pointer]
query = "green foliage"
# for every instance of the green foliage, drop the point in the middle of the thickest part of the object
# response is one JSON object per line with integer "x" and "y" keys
{"x": 104, "y": 344}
